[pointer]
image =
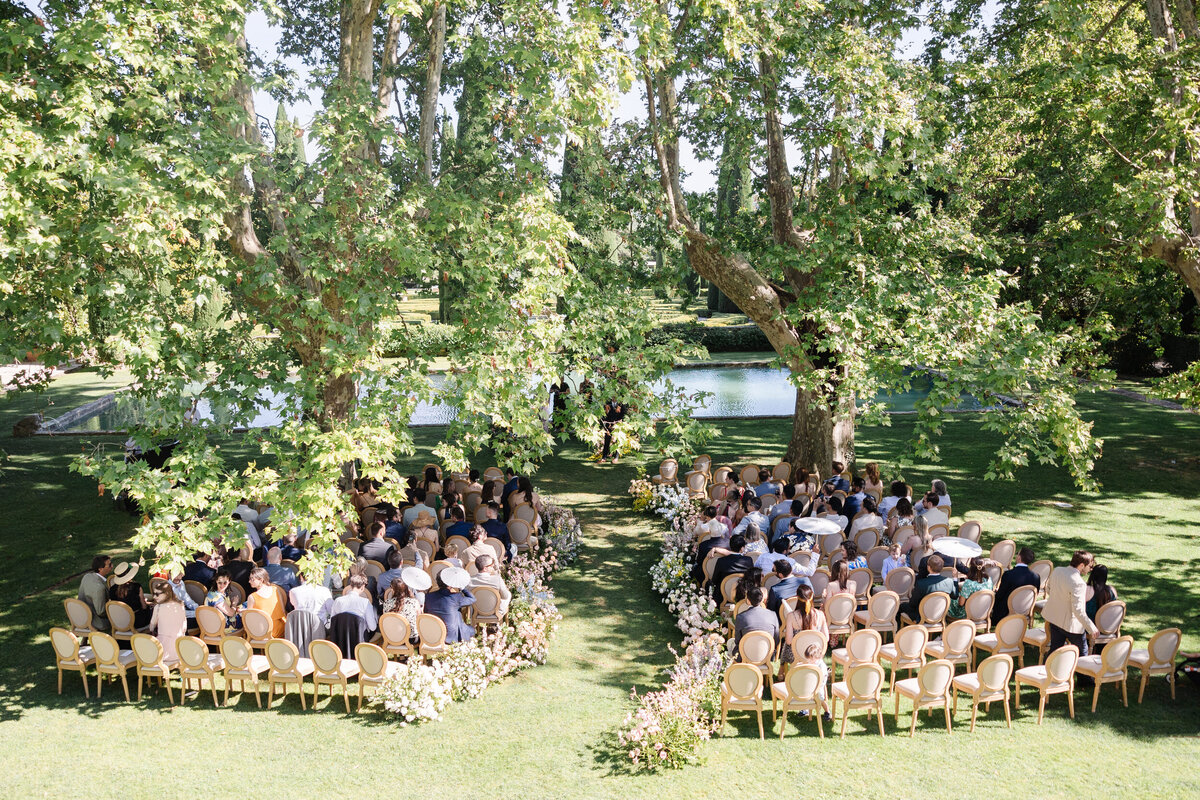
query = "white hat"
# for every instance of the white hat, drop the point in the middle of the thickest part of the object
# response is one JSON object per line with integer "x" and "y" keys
{"x": 455, "y": 577}
{"x": 416, "y": 579}
{"x": 124, "y": 573}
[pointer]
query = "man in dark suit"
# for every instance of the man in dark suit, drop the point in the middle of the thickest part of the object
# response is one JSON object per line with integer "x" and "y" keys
{"x": 704, "y": 548}
{"x": 731, "y": 564}
{"x": 497, "y": 529}
{"x": 755, "y": 618}
{"x": 379, "y": 547}
{"x": 934, "y": 582}
{"x": 460, "y": 526}
{"x": 448, "y": 599}
{"x": 1019, "y": 575}
{"x": 787, "y": 586}
{"x": 199, "y": 570}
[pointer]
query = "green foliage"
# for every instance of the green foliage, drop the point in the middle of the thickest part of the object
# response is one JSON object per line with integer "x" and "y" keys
{"x": 725, "y": 339}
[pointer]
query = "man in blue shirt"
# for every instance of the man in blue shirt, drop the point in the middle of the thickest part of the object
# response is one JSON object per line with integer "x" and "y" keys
{"x": 393, "y": 527}
{"x": 497, "y": 529}
{"x": 836, "y": 478}
{"x": 787, "y": 586}
{"x": 460, "y": 526}
{"x": 392, "y": 573}
{"x": 510, "y": 484}
{"x": 766, "y": 485}
{"x": 281, "y": 576}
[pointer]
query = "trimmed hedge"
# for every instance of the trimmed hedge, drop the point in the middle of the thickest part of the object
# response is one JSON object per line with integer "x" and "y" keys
{"x": 429, "y": 338}
{"x": 727, "y": 339}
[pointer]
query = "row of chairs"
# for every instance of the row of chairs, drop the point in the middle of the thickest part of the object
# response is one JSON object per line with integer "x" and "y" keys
{"x": 236, "y": 663}
{"x": 936, "y": 684}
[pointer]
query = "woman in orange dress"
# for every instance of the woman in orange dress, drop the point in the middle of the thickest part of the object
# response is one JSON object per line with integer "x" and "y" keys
{"x": 268, "y": 599}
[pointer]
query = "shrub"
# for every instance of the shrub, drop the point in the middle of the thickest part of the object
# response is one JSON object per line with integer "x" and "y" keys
{"x": 427, "y": 339}
{"x": 728, "y": 339}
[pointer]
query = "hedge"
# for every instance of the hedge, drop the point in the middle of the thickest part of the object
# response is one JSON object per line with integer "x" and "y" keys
{"x": 429, "y": 338}
{"x": 727, "y": 339}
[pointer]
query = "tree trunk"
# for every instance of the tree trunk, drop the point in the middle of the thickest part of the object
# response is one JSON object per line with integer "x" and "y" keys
{"x": 433, "y": 85}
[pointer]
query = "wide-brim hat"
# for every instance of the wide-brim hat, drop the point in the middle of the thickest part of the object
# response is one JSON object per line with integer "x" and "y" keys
{"x": 424, "y": 520}
{"x": 123, "y": 573}
{"x": 455, "y": 577}
{"x": 416, "y": 579}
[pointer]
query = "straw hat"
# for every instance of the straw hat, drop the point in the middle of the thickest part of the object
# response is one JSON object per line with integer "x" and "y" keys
{"x": 455, "y": 577}
{"x": 416, "y": 579}
{"x": 123, "y": 573}
{"x": 424, "y": 520}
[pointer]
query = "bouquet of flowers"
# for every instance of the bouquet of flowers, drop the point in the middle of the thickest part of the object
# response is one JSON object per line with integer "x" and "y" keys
{"x": 417, "y": 692}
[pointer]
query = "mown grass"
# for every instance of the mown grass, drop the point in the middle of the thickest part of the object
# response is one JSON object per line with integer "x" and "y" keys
{"x": 542, "y": 733}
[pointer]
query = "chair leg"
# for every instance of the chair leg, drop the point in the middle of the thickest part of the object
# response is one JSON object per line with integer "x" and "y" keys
{"x": 170, "y": 697}
{"x": 1142, "y": 688}
{"x": 912, "y": 729}
{"x": 946, "y": 709}
{"x": 83, "y": 675}
{"x": 346, "y": 696}
{"x": 60, "y": 680}
{"x": 783, "y": 724}
{"x": 1071, "y": 700}
{"x": 125, "y": 685}
{"x": 1096, "y": 695}
{"x": 879, "y": 716}
{"x": 1124, "y": 694}
{"x": 270, "y": 694}
{"x": 1171, "y": 680}
{"x": 1041, "y": 708}
{"x": 760, "y": 725}
{"x": 1016, "y": 693}
{"x": 302, "y": 706}
{"x": 212, "y": 684}
{"x": 1007, "y": 716}
{"x": 974, "y": 711}
{"x": 820, "y": 724}
{"x": 845, "y": 708}
{"x": 140, "y": 678}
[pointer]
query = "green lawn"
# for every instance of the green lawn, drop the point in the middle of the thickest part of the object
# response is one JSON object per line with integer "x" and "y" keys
{"x": 541, "y": 733}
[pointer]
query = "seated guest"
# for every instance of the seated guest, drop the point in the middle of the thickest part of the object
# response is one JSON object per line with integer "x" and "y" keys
{"x": 452, "y": 595}
{"x": 767, "y": 484}
{"x": 895, "y": 559}
{"x": 754, "y": 516}
{"x": 125, "y": 589}
{"x": 933, "y": 582}
{"x": 708, "y": 525}
{"x": 1019, "y": 575}
{"x": 1099, "y": 591}
{"x": 395, "y": 569}
{"x": 399, "y": 598}
{"x": 779, "y": 550}
{"x": 478, "y": 546}
{"x": 169, "y": 620}
{"x": 755, "y": 618}
{"x": 359, "y": 567}
{"x": 511, "y": 484}
{"x": 281, "y": 576}
{"x": 751, "y": 577}
{"x": 267, "y": 599}
{"x": 424, "y": 528}
{"x": 93, "y": 590}
{"x": 839, "y": 581}
{"x": 473, "y": 484}
{"x": 704, "y": 547}
{"x": 393, "y": 527}
{"x": 288, "y": 550}
{"x": 840, "y": 484}
{"x": 731, "y": 506}
{"x": 497, "y": 529}
{"x": 899, "y": 489}
{"x": 853, "y": 502}
{"x": 450, "y": 553}
{"x": 241, "y": 567}
{"x": 871, "y": 480}
{"x": 854, "y": 559}
{"x": 524, "y": 493}
{"x": 733, "y": 563}
{"x": 904, "y": 516}
{"x": 312, "y": 597}
{"x": 787, "y": 586}
{"x": 411, "y": 554}
{"x": 755, "y": 544}
{"x": 181, "y": 594}
{"x": 832, "y": 511}
{"x": 460, "y": 526}
{"x": 199, "y": 571}
{"x": 784, "y": 507}
{"x": 356, "y": 600}
{"x": 939, "y": 488}
{"x": 378, "y": 546}
{"x": 977, "y": 579}
{"x": 870, "y": 520}
{"x": 929, "y": 510}
{"x": 219, "y": 599}
{"x": 804, "y": 617}
{"x": 488, "y": 574}
{"x": 419, "y": 497}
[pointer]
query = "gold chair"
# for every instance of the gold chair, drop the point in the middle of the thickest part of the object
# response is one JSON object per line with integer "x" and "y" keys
{"x": 749, "y": 475}
{"x": 901, "y": 581}
{"x": 197, "y": 664}
{"x": 757, "y": 648}
{"x": 1042, "y": 568}
{"x": 497, "y": 548}
{"x": 1056, "y": 676}
{"x": 861, "y": 578}
{"x": 149, "y": 654}
{"x": 1109, "y": 618}
{"x": 257, "y": 627}
{"x": 718, "y": 475}
{"x": 729, "y": 588}
{"x": 196, "y": 591}
{"x": 241, "y": 665}
{"x": 1003, "y": 551}
{"x": 69, "y": 655}
{"x": 1111, "y": 666}
{"x": 819, "y": 580}
{"x": 331, "y": 669}
{"x": 867, "y": 540}
{"x": 979, "y": 609}
{"x": 374, "y": 668}
{"x": 374, "y": 569}
{"x": 802, "y": 640}
{"x": 938, "y": 530}
{"x": 493, "y": 474}
{"x": 1039, "y": 638}
{"x": 1158, "y": 658}
{"x": 120, "y": 620}
{"x": 111, "y": 660}
{"x": 781, "y": 472}
{"x": 862, "y": 647}
{"x": 526, "y": 512}
{"x": 875, "y": 558}
{"x": 839, "y": 613}
{"x": 987, "y": 684}
{"x": 930, "y": 689}
{"x": 932, "y": 612}
{"x": 1021, "y": 601}
{"x": 668, "y": 472}
{"x": 486, "y": 608}
{"x": 432, "y": 633}
{"x": 285, "y": 666}
{"x": 211, "y": 623}
{"x": 880, "y": 614}
{"x": 79, "y": 614}
{"x": 907, "y": 650}
{"x": 436, "y": 567}
{"x": 742, "y": 689}
{"x": 970, "y": 529}
{"x": 393, "y": 628}
{"x": 955, "y": 644}
{"x": 697, "y": 484}
{"x": 800, "y": 690}
{"x": 861, "y": 689}
{"x": 1008, "y": 637}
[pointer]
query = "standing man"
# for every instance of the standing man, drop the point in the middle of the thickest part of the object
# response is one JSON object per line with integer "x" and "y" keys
{"x": 93, "y": 590}
{"x": 1066, "y": 604}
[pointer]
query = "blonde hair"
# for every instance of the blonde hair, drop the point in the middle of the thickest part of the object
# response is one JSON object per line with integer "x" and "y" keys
{"x": 451, "y": 550}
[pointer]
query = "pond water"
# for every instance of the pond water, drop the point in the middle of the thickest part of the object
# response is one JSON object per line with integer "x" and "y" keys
{"x": 735, "y": 392}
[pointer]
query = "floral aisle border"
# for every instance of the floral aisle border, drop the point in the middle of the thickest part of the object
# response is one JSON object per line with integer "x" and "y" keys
{"x": 669, "y": 725}
{"x": 421, "y": 691}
